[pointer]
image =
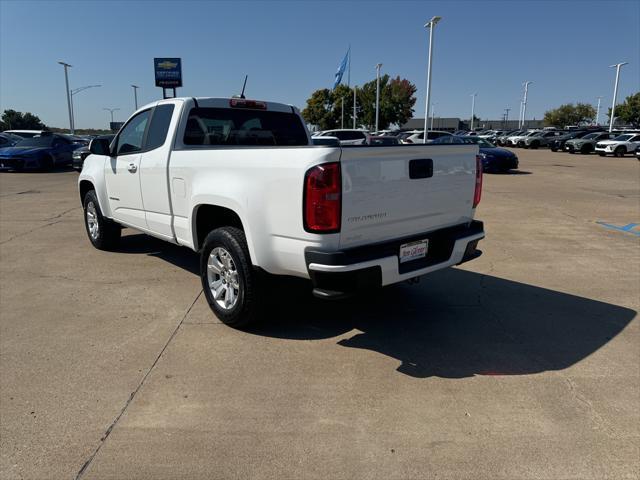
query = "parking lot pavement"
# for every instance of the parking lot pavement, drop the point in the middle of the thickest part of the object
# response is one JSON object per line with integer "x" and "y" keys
{"x": 522, "y": 364}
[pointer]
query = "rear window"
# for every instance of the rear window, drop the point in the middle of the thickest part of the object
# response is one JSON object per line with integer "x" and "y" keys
{"x": 234, "y": 126}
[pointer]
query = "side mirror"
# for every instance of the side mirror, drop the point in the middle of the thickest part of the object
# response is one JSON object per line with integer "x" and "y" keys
{"x": 99, "y": 146}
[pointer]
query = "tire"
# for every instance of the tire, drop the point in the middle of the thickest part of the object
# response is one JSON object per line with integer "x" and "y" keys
{"x": 553, "y": 149}
{"x": 586, "y": 149}
{"x": 535, "y": 145}
{"x": 46, "y": 163}
{"x": 104, "y": 234}
{"x": 620, "y": 151}
{"x": 226, "y": 268}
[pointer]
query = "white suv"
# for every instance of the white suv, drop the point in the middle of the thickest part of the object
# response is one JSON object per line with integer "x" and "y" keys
{"x": 619, "y": 146}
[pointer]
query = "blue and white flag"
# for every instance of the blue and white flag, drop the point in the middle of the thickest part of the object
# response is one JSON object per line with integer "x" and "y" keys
{"x": 341, "y": 68}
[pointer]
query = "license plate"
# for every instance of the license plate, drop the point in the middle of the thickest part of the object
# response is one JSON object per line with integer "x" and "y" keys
{"x": 413, "y": 250}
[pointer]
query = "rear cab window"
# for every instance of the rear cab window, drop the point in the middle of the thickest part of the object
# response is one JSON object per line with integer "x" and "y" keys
{"x": 215, "y": 126}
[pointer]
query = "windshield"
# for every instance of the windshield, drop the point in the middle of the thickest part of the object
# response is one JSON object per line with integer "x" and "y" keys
{"x": 623, "y": 138}
{"x": 480, "y": 142}
{"x": 36, "y": 142}
{"x": 591, "y": 135}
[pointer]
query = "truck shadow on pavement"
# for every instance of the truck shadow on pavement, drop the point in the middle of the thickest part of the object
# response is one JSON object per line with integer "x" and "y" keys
{"x": 453, "y": 324}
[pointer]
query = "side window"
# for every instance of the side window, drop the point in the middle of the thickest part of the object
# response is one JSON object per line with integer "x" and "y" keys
{"x": 159, "y": 126}
{"x": 341, "y": 135}
{"x": 132, "y": 135}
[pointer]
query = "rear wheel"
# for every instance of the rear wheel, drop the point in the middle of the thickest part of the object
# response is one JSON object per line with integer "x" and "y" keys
{"x": 229, "y": 280}
{"x": 620, "y": 151}
{"x": 586, "y": 149}
{"x": 103, "y": 233}
{"x": 535, "y": 145}
{"x": 46, "y": 163}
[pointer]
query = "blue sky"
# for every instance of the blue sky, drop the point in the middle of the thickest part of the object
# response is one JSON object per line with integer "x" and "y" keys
{"x": 289, "y": 49}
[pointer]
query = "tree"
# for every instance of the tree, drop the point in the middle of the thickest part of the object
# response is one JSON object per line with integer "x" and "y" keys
{"x": 570, "y": 114}
{"x": 324, "y": 107}
{"x": 12, "y": 120}
{"x": 629, "y": 111}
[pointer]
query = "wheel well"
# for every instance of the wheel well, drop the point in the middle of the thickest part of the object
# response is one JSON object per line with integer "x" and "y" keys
{"x": 210, "y": 217}
{"x": 85, "y": 186}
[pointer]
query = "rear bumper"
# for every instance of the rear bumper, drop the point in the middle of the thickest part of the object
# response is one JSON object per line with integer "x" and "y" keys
{"x": 344, "y": 272}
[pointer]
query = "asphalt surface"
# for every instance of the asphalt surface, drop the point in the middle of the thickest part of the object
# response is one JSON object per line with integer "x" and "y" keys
{"x": 524, "y": 363}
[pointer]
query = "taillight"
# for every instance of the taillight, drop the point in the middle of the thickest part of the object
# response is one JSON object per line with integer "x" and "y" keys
{"x": 478, "y": 191}
{"x": 323, "y": 198}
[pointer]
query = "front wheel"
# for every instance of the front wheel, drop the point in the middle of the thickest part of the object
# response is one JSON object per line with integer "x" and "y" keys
{"x": 229, "y": 280}
{"x": 103, "y": 233}
{"x": 620, "y": 151}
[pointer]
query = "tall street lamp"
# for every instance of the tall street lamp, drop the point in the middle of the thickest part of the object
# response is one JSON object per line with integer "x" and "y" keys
{"x": 74, "y": 92}
{"x": 615, "y": 93}
{"x": 473, "y": 107}
{"x": 377, "y": 94}
{"x": 597, "y": 122}
{"x": 524, "y": 101}
{"x": 111, "y": 110}
{"x": 66, "y": 80}
{"x": 135, "y": 95}
{"x": 430, "y": 25}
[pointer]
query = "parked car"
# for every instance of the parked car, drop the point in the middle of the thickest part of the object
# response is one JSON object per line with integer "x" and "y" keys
{"x": 419, "y": 137}
{"x": 8, "y": 139}
{"x": 542, "y": 139}
{"x": 344, "y": 218}
{"x": 83, "y": 152}
{"x": 26, "y": 133}
{"x": 494, "y": 159}
{"x": 587, "y": 144}
{"x": 518, "y": 140}
{"x": 638, "y": 152}
{"x": 558, "y": 142}
{"x": 619, "y": 146}
{"x": 501, "y": 140}
{"x": 43, "y": 153}
{"x": 383, "y": 141}
{"x": 347, "y": 136}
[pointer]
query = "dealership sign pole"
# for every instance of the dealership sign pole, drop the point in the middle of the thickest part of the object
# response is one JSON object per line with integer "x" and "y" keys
{"x": 66, "y": 81}
{"x": 168, "y": 73}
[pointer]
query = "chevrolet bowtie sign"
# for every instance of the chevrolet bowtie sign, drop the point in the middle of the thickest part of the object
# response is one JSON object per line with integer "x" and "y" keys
{"x": 168, "y": 72}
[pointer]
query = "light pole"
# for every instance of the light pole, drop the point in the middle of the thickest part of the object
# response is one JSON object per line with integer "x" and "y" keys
{"x": 73, "y": 92}
{"x": 377, "y": 94}
{"x": 135, "y": 95}
{"x": 433, "y": 113}
{"x": 598, "y": 112}
{"x": 524, "y": 101}
{"x": 342, "y": 116}
{"x": 473, "y": 107}
{"x": 615, "y": 93}
{"x": 430, "y": 25}
{"x": 66, "y": 81}
{"x": 111, "y": 110}
{"x": 354, "y": 106}
{"x": 506, "y": 118}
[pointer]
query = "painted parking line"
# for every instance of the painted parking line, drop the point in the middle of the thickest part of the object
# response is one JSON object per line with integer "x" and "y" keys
{"x": 628, "y": 228}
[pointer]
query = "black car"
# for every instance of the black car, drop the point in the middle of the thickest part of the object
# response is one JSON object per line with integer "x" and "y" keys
{"x": 494, "y": 159}
{"x": 80, "y": 154}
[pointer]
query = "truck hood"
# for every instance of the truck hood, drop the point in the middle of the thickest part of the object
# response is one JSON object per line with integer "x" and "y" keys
{"x": 22, "y": 151}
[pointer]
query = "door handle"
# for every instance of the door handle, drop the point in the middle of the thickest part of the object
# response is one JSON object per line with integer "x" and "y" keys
{"x": 132, "y": 167}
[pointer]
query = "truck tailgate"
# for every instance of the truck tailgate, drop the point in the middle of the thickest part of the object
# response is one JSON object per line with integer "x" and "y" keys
{"x": 399, "y": 191}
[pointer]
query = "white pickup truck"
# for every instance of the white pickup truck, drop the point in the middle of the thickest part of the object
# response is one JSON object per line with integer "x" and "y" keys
{"x": 241, "y": 182}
